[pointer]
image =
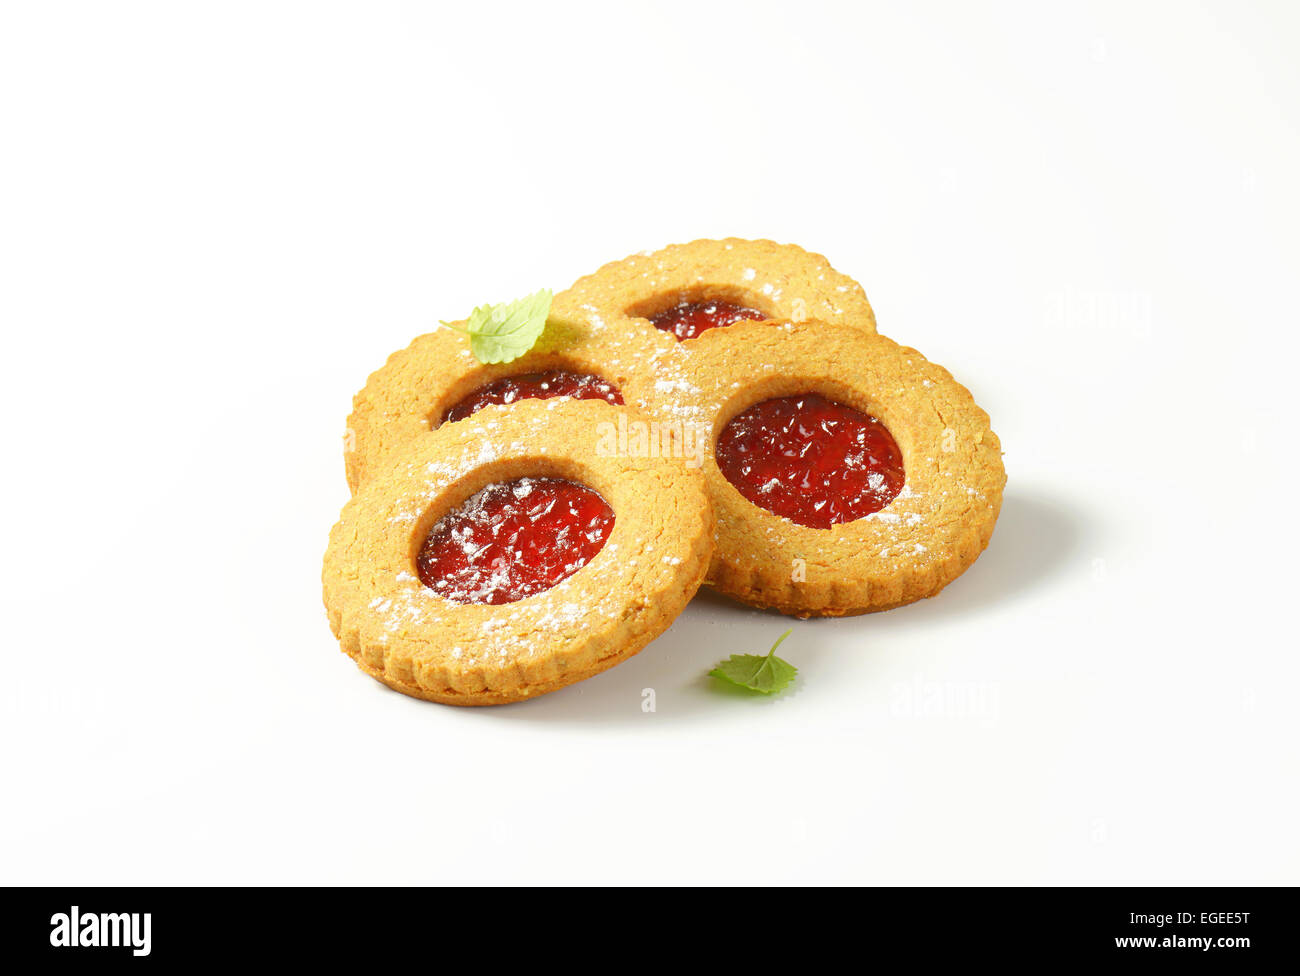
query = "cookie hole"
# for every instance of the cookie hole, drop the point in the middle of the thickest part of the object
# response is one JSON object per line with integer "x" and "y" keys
{"x": 475, "y": 393}
{"x": 811, "y": 459}
{"x": 687, "y": 313}
{"x": 512, "y": 539}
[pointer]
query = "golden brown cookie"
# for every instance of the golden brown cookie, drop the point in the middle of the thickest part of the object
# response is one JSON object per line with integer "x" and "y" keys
{"x": 413, "y": 392}
{"x": 688, "y": 288}
{"x": 825, "y": 423}
{"x": 433, "y": 502}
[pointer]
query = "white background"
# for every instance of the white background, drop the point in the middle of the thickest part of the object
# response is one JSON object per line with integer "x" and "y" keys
{"x": 217, "y": 219}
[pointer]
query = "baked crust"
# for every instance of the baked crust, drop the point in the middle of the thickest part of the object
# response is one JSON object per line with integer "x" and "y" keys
{"x": 411, "y": 639}
{"x": 783, "y": 281}
{"x": 924, "y": 539}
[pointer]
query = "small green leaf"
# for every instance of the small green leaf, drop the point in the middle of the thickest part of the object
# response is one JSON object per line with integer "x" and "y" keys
{"x": 764, "y": 673}
{"x": 502, "y": 333}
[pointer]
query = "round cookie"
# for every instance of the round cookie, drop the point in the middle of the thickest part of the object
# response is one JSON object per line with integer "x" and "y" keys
{"x": 411, "y": 393}
{"x": 920, "y": 541}
{"x": 413, "y": 640}
{"x": 776, "y": 281}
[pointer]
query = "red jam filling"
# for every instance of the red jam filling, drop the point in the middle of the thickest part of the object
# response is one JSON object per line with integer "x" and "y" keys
{"x": 688, "y": 319}
{"x": 514, "y": 539}
{"x": 535, "y": 386}
{"x": 811, "y": 460}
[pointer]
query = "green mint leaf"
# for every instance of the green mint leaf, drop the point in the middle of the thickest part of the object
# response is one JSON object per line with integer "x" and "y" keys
{"x": 764, "y": 673}
{"x": 502, "y": 333}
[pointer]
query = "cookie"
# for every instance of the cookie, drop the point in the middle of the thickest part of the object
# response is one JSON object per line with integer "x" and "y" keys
{"x": 420, "y": 579}
{"x": 437, "y": 380}
{"x": 688, "y": 289}
{"x": 848, "y": 473}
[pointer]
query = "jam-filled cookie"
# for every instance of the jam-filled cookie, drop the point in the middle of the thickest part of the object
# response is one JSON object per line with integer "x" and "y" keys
{"x": 848, "y": 473}
{"x": 686, "y": 290}
{"x": 436, "y": 380}
{"x": 512, "y": 553}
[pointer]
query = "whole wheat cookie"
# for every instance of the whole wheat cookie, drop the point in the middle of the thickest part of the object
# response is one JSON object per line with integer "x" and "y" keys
{"x": 848, "y": 473}
{"x": 514, "y": 552}
{"x": 687, "y": 289}
{"x": 437, "y": 380}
